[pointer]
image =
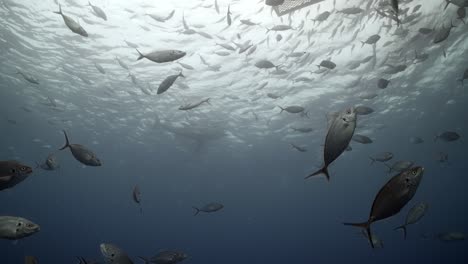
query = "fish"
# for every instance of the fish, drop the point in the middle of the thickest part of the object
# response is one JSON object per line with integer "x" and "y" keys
{"x": 13, "y": 172}
{"x": 162, "y": 55}
{"x": 396, "y": 10}
{"x": 168, "y": 82}
{"x": 363, "y": 110}
{"x": 294, "y": 109}
{"x": 74, "y": 26}
{"x": 371, "y": 40}
{"x": 274, "y": 2}
{"x": 381, "y": 157}
{"x": 228, "y": 16}
{"x": 50, "y": 164}
{"x": 392, "y": 197}
{"x": 351, "y": 11}
{"x": 226, "y": 46}
{"x": 416, "y": 140}
{"x": 161, "y": 18}
{"x": 99, "y": 68}
{"x": 216, "y": 6}
{"x": 248, "y": 22}
{"x": 15, "y": 228}
{"x": 461, "y": 13}
{"x": 81, "y": 153}
{"x": 98, "y": 11}
{"x": 273, "y": 96}
{"x": 279, "y": 37}
{"x": 376, "y": 241}
{"x": 28, "y": 77}
{"x": 166, "y": 257}
{"x": 185, "y": 66}
{"x": 208, "y": 208}
{"x": 327, "y": 64}
{"x": 194, "y": 105}
{"x": 279, "y": 28}
{"x": 113, "y": 254}
{"x": 399, "y": 166}
{"x": 302, "y": 129}
{"x": 321, "y": 17}
{"x": 265, "y": 64}
{"x": 414, "y": 215}
{"x": 362, "y": 139}
{"x": 442, "y": 34}
{"x": 121, "y": 63}
{"x": 30, "y": 260}
{"x": 425, "y": 31}
{"x": 136, "y": 195}
{"x": 452, "y": 236}
{"x": 464, "y": 77}
{"x": 447, "y": 136}
{"x": 337, "y": 140}
{"x": 298, "y": 148}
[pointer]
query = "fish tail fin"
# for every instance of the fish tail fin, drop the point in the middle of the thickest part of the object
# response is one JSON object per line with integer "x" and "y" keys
{"x": 448, "y": 3}
{"x": 268, "y": 30}
{"x": 196, "y": 210}
{"x": 404, "y": 230}
{"x": 318, "y": 66}
{"x": 89, "y": 3}
{"x": 363, "y": 43}
{"x": 366, "y": 226}
{"x": 60, "y": 10}
{"x": 372, "y": 160}
{"x": 389, "y": 167}
{"x": 323, "y": 170}
{"x": 181, "y": 74}
{"x": 147, "y": 261}
{"x": 67, "y": 142}
{"x": 141, "y": 56}
{"x": 208, "y": 101}
{"x": 282, "y": 109}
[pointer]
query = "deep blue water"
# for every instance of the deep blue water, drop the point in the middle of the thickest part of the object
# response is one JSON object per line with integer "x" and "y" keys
{"x": 271, "y": 214}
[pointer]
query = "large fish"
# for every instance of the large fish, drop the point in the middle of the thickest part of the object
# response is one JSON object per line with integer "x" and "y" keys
{"x": 81, "y": 153}
{"x": 72, "y": 24}
{"x": 338, "y": 137}
{"x": 12, "y": 172}
{"x": 14, "y": 228}
{"x": 392, "y": 197}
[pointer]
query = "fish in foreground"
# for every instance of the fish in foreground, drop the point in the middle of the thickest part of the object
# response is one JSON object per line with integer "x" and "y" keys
{"x": 194, "y": 105}
{"x": 14, "y": 228}
{"x": 11, "y": 168}
{"x": 74, "y": 26}
{"x": 381, "y": 157}
{"x": 392, "y": 197}
{"x": 166, "y": 257}
{"x": 162, "y": 55}
{"x": 209, "y": 208}
{"x": 50, "y": 164}
{"x": 98, "y": 11}
{"x": 113, "y": 254}
{"x": 168, "y": 82}
{"x": 447, "y": 136}
{"x": 337, "y": 140}
{"x": 414, "y": 215}
{"x": 81, "y": 153}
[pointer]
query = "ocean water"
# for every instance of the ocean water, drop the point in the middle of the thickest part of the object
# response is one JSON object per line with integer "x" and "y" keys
{"x": 236, "y": 149}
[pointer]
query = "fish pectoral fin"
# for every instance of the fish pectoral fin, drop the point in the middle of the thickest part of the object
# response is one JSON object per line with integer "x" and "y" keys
{"x": 6, "y": 178}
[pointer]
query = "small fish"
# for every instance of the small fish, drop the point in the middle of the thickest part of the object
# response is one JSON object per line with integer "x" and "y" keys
{"x": 362, "y": 139}
{"x": 162, "y": 56}
{"x": 186, "y": 66}
{"x": 321, "y": 17}
{"x": 279, "y": 37}
{"x": 216, "y": 6}
{"x": 265, "y": 64}
{"x": 337, "y": 140}
{"x": 442, "y": 34}
{"x": 15, "y": 228}
{"x": 168, "y": 82}
{"x": 194, "y": 105}
{"x": 81, "y": 153}
{"x": 363, "y": 110}
{"x": 71, "y": 24}
{"x": 425, "y": 31}
{"x": 447, "y": 136}
{"x": 228, "y": 16}
{"x": 392, "y": 197}
{"x": 226, "y": 46}
{"x": 452, "y": 236}
{"x": 381, "y": 157}
{"x": 465, "y": 77}
{"x": 166, "y": 257}
{"x": 416, "y": 140}
{"x": 98, "y": 11}
{"x": 50, "y": 164}
{"x": 294, "y": 109}
{"x": 136, "y": 195}
{"x": 274, "y": 2}
{"x": 399, "y": 166}
{"x": 131, "y": 45}
{"x": 298, "y": 148}
{"x": 302, "y": 129}
{"x": 371, "y": 40}
{"x": 28, "y": 77}
{"x": 351, "y": 11}
{"x": 209, "y": 208}
{"x": 99, "y": 68}
{"x": 414, "y": 215}
{"x": 121, "y": 63}
{"x": 279, "y": 28}
{"x": 327, "y": 64}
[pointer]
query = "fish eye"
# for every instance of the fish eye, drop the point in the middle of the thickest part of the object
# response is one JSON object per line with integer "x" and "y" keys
{"x": 414, "y": 172}
{"x": 19, "y": 224}
{"x": 23, "y": 168}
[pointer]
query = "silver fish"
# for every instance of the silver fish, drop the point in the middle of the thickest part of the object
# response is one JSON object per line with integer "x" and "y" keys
{"x": 194, "y": 105}
{"x": 399, "y": 166}
{"x": 168, "y": 82}
{"x": 81, "y": 153}
{"x": 363, "y": 110}
{"x": 98, "y": 11}
{"x": 14, "y": 228}
{"x": 294, "y": 109}
{"x": 162, "y": 56}
{"x": 362, "y": 139}
{"x": 338, "y": 137}
{"x": 414, "y": 215}
{"x": 113, "y": 254}
{"x": 381, "y": 157}
{"x": 71, "y": 24}
{"x": 99, "y": 68}
{"x": 298, "y": 148}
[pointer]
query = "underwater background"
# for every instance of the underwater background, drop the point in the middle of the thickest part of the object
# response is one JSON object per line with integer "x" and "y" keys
{"x": 236, "y": 149}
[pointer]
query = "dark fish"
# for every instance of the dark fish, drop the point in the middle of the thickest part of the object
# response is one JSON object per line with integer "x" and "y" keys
{"x": 274, "y": 2}
{"x": 338, "y": 137}
{"x": 81, "y": 153}
{"x": 414, "y": 215}
{"x": 416, "y": 140}
{"x": 72, "y": 24}
{"x": 136, "y": 195}
{"x": 12, "y": 172}
{"x": 228, "y": 16}
{"x": 166, "y": 257}
{"x": 392, "y": 197}
{"x": 113, "y": 254}
{"x": 443, "y": 34}
{"x": 452, "y": 236}
{"x": 50, "y": 164}
{"x": 382, "y": 83}
{"x": 327, "y": 64}
{"x": 371, "y": 40}
{"x": 209, "y": 208}
{"x": 425, "y": 31}
{"x": 447, "y": 136}
{"x": 168, "y": 82}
